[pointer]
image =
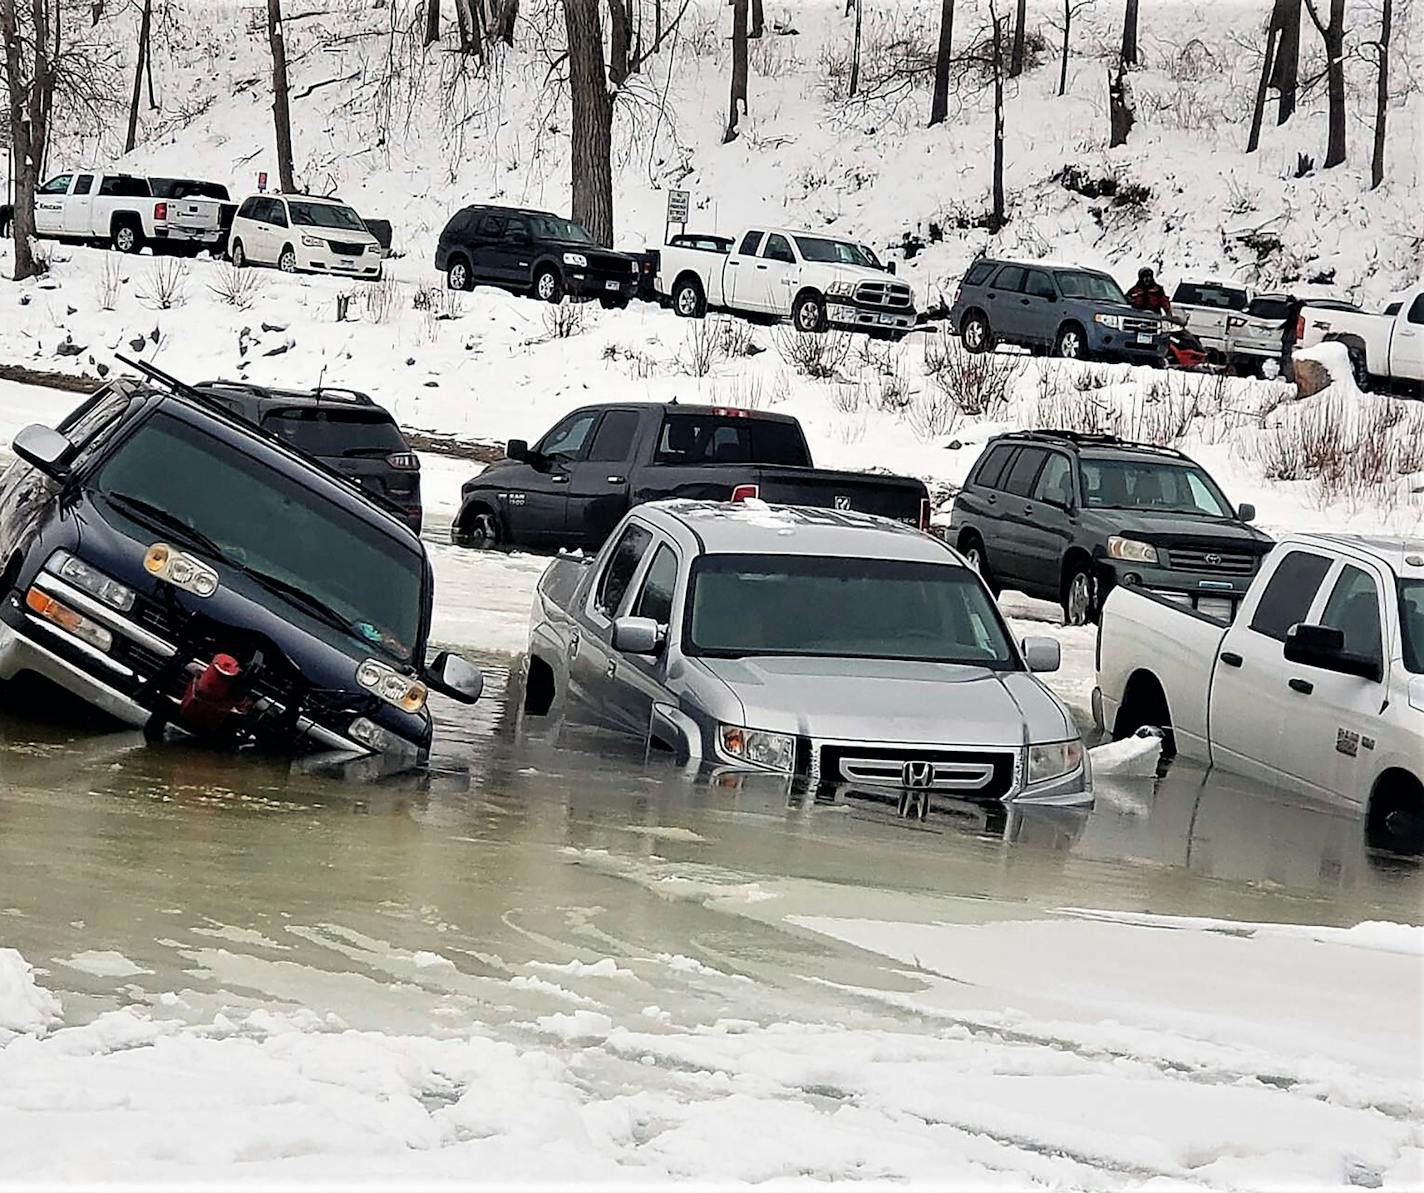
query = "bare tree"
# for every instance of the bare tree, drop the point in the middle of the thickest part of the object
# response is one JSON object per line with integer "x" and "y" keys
{"x": 1382, "y": 91}
{"x": 1016, "y": 54}
{"x": 855, "y": 49}
{"x": 281, "y": 105}
{"x": 592, "y": 133}
{"x": 1285, "y": 72}
{"x": 145, "y": 29}
{"x": 29, "y": 82}
{"x": 1258, "y": 110}
{"x": 939, "y": 104}
{"x": 1121, "y": 108}
{"x": 505, "y": 15}
{"x": 998, "y": 216}
{"x": 620, "y": 46}
{"x": 758, "y": 20}
{"x": 1071, "y": 8}
{"x": 1129, "y": 33}
{"x": 1332, "y": 33}
{"x": 738, "y": 105}
{"x": 432, "y": 22}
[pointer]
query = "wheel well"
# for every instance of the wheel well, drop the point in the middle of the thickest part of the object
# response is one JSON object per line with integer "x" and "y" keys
{"x": 1395, "y": 817}
{"x": 472, "y": 509}
{"x": 287, "y": 246}
{"x": 546, "y": 267}
{"x": 1070, "y": 561}
{"x": 10, "y": 573}
{"x": 457, "y": 255}
{"x": 1144, "y": 702}
{"x": 688, "y": 276}
{"x": 120, "y": 218}
{"x": 807, "y": 292}
{"x": 969, "y": 314}
{"x": 538, "y": 687}
{"x": 968, "y": 536}
{"x": 1065, "y": 325}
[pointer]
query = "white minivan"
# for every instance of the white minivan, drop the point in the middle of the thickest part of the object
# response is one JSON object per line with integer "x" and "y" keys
{"x": 303, "y": 233}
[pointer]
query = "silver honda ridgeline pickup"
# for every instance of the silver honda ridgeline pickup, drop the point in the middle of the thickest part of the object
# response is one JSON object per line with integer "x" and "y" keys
{"x": 838, "y": 647}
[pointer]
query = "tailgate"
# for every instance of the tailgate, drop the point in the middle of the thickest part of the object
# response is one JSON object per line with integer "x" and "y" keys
{"x": 194, "y": 215}
{"x": 895, "y": 497}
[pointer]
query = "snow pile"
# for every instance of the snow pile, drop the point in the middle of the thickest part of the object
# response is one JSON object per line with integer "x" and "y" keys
{"x": 1335, "y": 358}
{"x": 1132, "y": 758}
{"x": 26, "y": 1008}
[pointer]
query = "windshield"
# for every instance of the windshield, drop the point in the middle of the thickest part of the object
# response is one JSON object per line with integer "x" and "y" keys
{"x": 843, "y": 608}
{"x": 322, "y": 431}
{"x": 555, "y": 227}
{"x": 1096, "y": 286}
{"x": 325, "y": 215}
{"x": 254, "y": 518}
{"x": 1411, "y": 620}
{"x": 836, "y": 252}
{"x": 1149, "y": 485}
{"x": 187, "y": 188}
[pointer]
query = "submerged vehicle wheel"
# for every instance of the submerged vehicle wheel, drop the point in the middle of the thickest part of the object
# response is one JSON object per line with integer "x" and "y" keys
{"x": 478, "y": 530}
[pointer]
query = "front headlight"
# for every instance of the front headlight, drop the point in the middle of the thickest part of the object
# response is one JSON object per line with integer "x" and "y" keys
{"x": 182, "y": 571}
{"x": 1131, "y": 551}
{"x": 774, "y": 751}
{"x": 1113, "y": 321}
{"x": 91, "y": 580}
{"x": 577, "y": 260}
{"x": 841, "y": 289}
{"x": 390, "y": 685}
{"x": 1053, "y": 760}
{"x": 313, "y": 242}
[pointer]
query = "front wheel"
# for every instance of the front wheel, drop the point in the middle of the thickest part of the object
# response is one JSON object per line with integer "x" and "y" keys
{"x": 809, "y": 313}
{"x": 287, "y": 262}
{"x": 975, "y": 334}
{"x": 479, "y": 531}
{"x": 1080, "y": 596}
{"x": 1071, "y": 344}
{"x": 548, "y": 286}
{"x": 975, "y": 556}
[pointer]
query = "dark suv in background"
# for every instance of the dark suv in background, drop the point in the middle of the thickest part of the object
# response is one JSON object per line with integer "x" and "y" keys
{"x": 342, "y": 428}
{"x": 1064, "y": 516}
{"x": 1080, "y": 314}
{"x": 532, "y": 252}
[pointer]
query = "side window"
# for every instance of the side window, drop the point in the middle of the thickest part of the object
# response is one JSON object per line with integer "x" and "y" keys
{"x": 1353, "y": 608}
{"x": 618, "y": 572}
{"x": 991, "y": 472}
{"x": 1416, "y": 309}
{"x": 568, "y": 438}
{"x": 489, "y": 225}
{"x": 1289, "y": 594}
{"x": 1023, "y": 471}
{"x": 249, "y": 209}
{"x": 1039, "y": 284}
{"x": 613, "y": 440}
{"x": 978, "y": 273}
{"x": 1055, "y": 482}
{"x": 1011, "y": 277}
{"x": 277, "y": 213}
{"x": 749, "y": 244}
{"x": 83, "y": 184}
{"x": 655, "y": 597}
{"x": 516, "y": 227}
{"x": 57, "y": 186}
{"x": 778, "y": 248}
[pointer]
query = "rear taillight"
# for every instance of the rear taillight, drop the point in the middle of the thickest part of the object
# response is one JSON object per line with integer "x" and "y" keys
{"x": 404, "y": 461}
{"x": 925, "y": 514}
{"x": 746, "y": 492}
{"x": 1299, "y": 328}
{"x": 160, "y": 211}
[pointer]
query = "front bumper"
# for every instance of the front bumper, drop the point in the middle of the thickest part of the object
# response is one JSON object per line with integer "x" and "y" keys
{"x": 1126, "y": 345}
{"x": 367, "y": 264}
{"x": 845, "y": 312}
{"x": 584, "y": 283}
{"x": 1215, "y": 595}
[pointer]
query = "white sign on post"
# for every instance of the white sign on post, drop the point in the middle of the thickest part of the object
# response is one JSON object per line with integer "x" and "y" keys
{"x": 677, "y": 207}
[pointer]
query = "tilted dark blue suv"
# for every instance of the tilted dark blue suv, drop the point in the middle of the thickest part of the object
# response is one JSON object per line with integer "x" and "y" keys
{"x": 176, "y": 567}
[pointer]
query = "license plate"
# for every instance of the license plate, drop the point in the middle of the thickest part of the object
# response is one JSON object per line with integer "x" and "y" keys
{"x": 887, "y": 318}
{"x": 610, "y": 285}
{"x": 1144, "y": 337}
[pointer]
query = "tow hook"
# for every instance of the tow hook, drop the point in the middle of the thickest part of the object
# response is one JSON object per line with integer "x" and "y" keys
{"x": 213, "y": 696}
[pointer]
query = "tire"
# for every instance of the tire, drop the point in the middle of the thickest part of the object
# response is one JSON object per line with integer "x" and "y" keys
{"x": 1144, "y": 706}
{"x": 287, "y": 260}
{"x": 1394, "y": 820}
{"x": 808, "y": 313}
{"x": 1071, "y": 343}
{"x": 127, "y": 237}
{"x": 458, "y": 275}
{"x": 975, "y": 333}
{"x": 237, "y": 256}
{"x": 978, "y": 558}
{"x": 548, "y": 285}
{"x": 1081, "y": 602}
{"x": 478, "y": 530}
{"x": 688, "y": 301}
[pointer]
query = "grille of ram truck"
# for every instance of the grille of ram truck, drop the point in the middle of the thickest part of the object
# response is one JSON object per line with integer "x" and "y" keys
{"x": 1212, "y": 560}
{"x": 891, "y": 296}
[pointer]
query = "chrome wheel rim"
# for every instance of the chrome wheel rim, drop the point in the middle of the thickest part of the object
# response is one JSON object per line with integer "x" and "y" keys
{"x": 972, "y": 556}
{"x": 974, "y": 334}
{"x": 1080, "y": 599}
{"x": 124, "y": 239}
{"x": 458, "y": 279}
{"x": 288, "y": 262}
{"x": 687, "y": 302}
{"x": 807, "y": 317}
{"x": 546, "y": 287}
{"x": 238, "y": 257}
{"x": 1070, "y": 346}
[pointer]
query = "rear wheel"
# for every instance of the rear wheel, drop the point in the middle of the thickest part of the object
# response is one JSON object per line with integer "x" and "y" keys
{"x": 127, "y": 237}
{"x": 237, "y": 255}
{"x": 687, "y": 299}
{"x": 975, "y": 333}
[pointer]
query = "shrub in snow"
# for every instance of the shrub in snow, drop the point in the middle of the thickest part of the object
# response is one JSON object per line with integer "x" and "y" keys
{"x": 165, "y": 286}
{"x": 382, "y": 300}
{"x": 236, "y": 287}
{"x": 818, "y": 355}
{"x": 564, "y": 320}
{"x": 106, "y": 285}
{"x": 975, "y": 383}
{"x": 700, "y": 349}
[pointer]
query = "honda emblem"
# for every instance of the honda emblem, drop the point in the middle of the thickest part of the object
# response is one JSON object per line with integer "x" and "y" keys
{"x": 917, "y": 775}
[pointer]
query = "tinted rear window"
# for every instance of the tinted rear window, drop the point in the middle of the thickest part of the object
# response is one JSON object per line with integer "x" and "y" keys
{"x": 727, "y": 439}
{"x": 1024, "y": 471}
{"x": 1011, "y": 277}
{"x": 187, "y": 188}
{"x": 991, "y": 471}
{"x": 322, "y": 431}
{"x": 978, "y": 273}
{"x": 1269, "y": 308}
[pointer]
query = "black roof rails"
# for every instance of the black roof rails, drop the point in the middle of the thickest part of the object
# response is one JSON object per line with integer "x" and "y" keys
{"x": 338, "y": 393}
{"x": 1096, "y": 439}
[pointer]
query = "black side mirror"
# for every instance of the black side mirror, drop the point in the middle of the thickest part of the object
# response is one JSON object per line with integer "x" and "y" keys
{"x": 517, "y": 449}
{"x": 1246, "y": 512}
{"x": 1324, "y": 647}
{"x": 44, "y": 448}
{"x": 456, "y": 677}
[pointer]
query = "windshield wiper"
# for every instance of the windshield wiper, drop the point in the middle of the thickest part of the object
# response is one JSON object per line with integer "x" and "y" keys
{"x": 160, "y": 519}
{"x": 299, "y": 597}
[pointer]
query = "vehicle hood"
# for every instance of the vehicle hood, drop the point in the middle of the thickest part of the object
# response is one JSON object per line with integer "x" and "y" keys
{"x": 1116, "y": 308}
{"x": 341, "y": 234}
{"x": 889, "y": 700}
{"x": 1167, "y": 528}
{"x": 591, "y": 251}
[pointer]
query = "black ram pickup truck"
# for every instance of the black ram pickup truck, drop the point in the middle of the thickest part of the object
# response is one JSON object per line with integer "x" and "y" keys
{"x": 573, "y": 486}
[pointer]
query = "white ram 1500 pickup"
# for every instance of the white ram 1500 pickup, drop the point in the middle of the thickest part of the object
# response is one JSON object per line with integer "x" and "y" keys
{"x": 815, "y": 281}
{"x": 126, "y": 212}
{"x": 1387, "y": 346}
{"x": 1316, "y": 687}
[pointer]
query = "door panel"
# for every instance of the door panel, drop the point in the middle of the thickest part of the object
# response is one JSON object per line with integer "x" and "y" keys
{"x": 595, "y": 669}
{"x": 1013, "y": 549}
{"x": 598, "y": 485}
{"x": 50, "y": 202}
{"x": 79, "y": 207}
{"x": 1048, "y": 526}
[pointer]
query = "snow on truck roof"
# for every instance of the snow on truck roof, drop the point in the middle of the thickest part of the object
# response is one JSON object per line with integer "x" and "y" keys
{"x": 757, "y": 528}
{"x": 1403, "y": 556}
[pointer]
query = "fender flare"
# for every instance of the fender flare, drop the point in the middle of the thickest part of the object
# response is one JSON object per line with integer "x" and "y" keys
{"x": 680, "y": 731}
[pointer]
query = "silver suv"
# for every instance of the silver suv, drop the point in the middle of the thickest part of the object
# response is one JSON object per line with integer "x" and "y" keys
{"x": 836, "y": 647}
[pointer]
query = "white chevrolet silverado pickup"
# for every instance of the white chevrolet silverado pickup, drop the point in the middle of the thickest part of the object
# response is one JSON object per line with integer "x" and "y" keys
{"x": 815, "y": 281}
{"x": 1316, "y": 687}
{"x": 1385, "y": 346}
{"x": 127, "y": 211}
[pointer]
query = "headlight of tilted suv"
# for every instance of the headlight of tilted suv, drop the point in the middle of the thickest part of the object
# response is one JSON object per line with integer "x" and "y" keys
{"x": 774, "y": 751}
{"x": 841, "y": 289}
{"x": 390, "y": 685}
{"x": 1053, "y": 760}
{"x": 577, "y": 260}
{"x": 1131, "y": 551}
{"x": 1113, "y": 321}
{"x": 91, "y": 580}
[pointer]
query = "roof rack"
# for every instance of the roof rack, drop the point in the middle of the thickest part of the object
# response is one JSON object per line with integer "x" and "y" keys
{"x": 1096, "y": 439}
{"x": 336, "y": 393}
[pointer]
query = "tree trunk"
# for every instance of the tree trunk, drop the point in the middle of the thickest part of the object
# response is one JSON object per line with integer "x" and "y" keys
{"x": 939, "y": 105}
{"x": 657, "y": 22}
{"x": 758, "y": 20}
{"x": 1285, "y": 72}
{"x": 619, "y": 43}
{"x": 29, "y": 95}
{"x": 1063, "y": 62}
{"x": 1016, "y": 55}
{"x": 506, "y": 16}
{"x": 281, "y": 109}
{"x": 462, "y": 26}
{"x": 855, "y": 50}
{"x": 432, "y": 22}
{"x": 1121, "y": 116}
{"x": 592, "y": 134}
{"x": 738, "y": 104}
{"x": 997, "y": 216}
{"x": 144, "y": 29}
{"x": 1382, "y": 94}
{"x": 1335, "y": 83}
{"x": 1253, "y": 139}
{"x": 1129, "y": 33}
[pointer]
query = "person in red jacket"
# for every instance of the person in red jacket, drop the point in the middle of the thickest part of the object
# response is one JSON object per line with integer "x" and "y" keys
{"x": 1147, "y": 295}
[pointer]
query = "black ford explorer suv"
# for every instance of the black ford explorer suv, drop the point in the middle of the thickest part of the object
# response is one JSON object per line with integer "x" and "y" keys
{"x": 177, "y": 568}
{"x": 1064, "y": 517}
{"x": 574, "y": 486}
{"x": 532, "y": 252}
{"x": 343, "y": 428}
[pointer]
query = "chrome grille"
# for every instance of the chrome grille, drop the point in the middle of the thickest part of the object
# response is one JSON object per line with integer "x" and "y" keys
{"x": 982, "y": 774}
{"x": 891, "y": 295}
{"x": 1151, "y": 326}
{"x": 1208, "y": 559}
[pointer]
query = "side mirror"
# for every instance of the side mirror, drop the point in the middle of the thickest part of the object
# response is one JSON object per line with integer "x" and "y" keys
{"x": 456, "y": 677}
{"x": 517, "y": 449}
{"x": 638, "y": 635}
{"x": 1246, "y": 512}
{"x": 889, "y": 267}
{"x": 45, "y": 449}
{"x": 1043, "y": 655}
{"x": 1324, "y": 647}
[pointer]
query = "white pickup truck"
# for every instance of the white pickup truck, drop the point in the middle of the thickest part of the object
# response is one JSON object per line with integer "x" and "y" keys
{"x": 128, "y": 212}
{"x": 1386, "y": 346}
{"x": 815, "y": 281}
{"x": 1316, "y": 687}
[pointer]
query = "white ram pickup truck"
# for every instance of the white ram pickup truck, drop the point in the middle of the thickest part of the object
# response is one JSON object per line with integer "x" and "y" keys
{"x": 815, "y": 281}
{"x": 1316, "y": 687}
{"x": 123, "y": 211}
{"x": 1383, "y": 346}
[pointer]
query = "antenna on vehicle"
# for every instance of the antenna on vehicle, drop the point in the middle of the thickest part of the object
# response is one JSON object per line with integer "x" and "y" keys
{"x": 154, "y": 373}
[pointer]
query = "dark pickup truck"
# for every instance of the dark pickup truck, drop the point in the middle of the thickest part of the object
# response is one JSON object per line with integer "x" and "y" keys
{"x": 573, "y": 486}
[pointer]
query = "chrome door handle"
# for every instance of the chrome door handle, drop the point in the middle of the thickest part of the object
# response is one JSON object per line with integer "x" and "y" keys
{"x": 574, "y": 647}
{"x": 559, "y": 480}
{"x": 611, "y": 670}
{"x": 616, "y": 480}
